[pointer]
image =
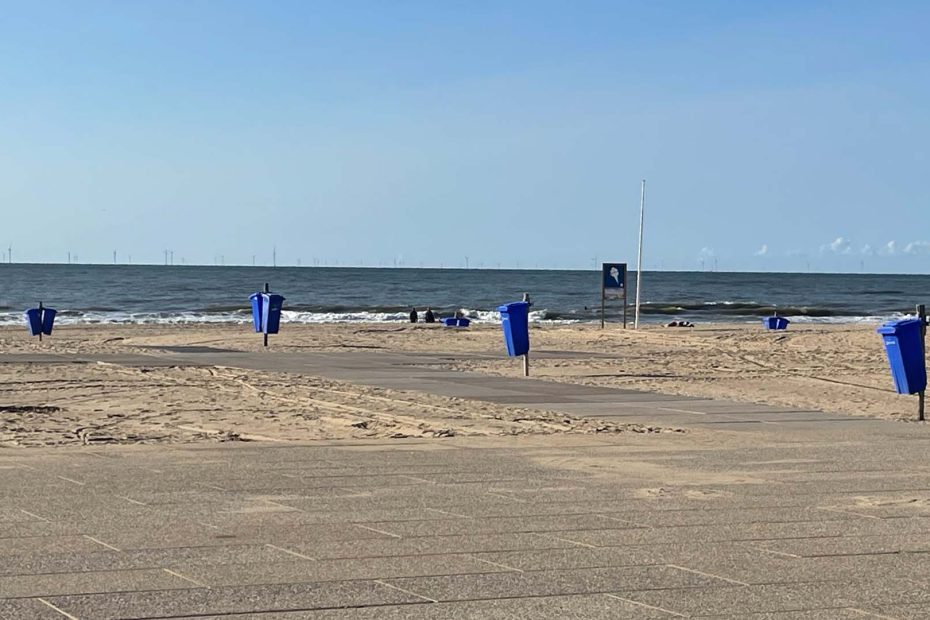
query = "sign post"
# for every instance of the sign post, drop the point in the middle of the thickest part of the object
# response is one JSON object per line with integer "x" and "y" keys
{"x": 922, "y": 315}
{"x": 526, "y": 356}
{"x": 613, "y": 282}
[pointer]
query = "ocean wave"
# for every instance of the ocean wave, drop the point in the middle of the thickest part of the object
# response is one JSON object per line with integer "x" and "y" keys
{"x": 652, "y": 312}
{"x": 737, "y": 308}
{"x": 240, "y": 316}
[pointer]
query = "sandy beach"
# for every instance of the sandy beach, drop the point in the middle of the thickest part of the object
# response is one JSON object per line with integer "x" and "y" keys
{"x": 837, "y": 369}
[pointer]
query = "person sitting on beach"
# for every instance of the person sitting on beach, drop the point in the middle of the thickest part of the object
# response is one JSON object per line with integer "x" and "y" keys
{"x": 680, "y": 324}
{"x": 413, "y": 315}
{"x": 429, "y": 317}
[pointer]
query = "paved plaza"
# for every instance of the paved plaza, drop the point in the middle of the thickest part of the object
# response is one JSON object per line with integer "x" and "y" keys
{"x": 753, "y": 512}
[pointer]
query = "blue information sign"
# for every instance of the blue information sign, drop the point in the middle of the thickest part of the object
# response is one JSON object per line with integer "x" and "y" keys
{"x": 614, "y": 276}
{"x": 613, "y": 283}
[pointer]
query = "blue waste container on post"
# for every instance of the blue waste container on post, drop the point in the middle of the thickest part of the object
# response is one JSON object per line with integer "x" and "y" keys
{"x": 48, "y": 320}
{"x": 271, "y": 312}
{"x": 34, "y": 321}
{"x": 515, "y": 322}
{"x": 904, "y": 347}
{"x": 257, "y": 305}
{"x": 775, "y": 322}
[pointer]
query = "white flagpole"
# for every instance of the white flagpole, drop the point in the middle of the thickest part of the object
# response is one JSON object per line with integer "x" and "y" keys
{"x": 639, "y": 262}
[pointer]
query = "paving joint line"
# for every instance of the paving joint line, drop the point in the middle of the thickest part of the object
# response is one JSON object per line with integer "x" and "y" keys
{"x": 293, "y": 553}
{"x": 746, "y": 544}
{"x": 847, "y": 512}
{"x": 639, "y": 525}
{"x": 279, "y": 505}
{"x": 185, "y": 578}
{"x": 496, "y": 494}
{"x": 100, "y": 542}
{"x": 452, "y": 514}
{"x": 399, "y": 589}
{"x": 132, "y": 501}
{"x": 398, "y": 536}
{"x": 567, "y": 540}
{"x": 697, "y": 572}
{"x": 871, "y": 614}
{"x": 58, "y": 609}
{"x": 32, "y": 514}
{"x": 509, "y": 568}
{"x": 662, "y": 609}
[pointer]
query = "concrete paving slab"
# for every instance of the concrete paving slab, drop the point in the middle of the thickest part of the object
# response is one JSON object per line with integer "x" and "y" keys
{"x": 738, "y": 600}
{"x": 673, "y": 518}
{"x": 427, "y": 545}
{"x": 847, "y": 613}
{"x": 898, "y": 612}
{"x": 231, "y": 600}
{"x": 458, "y": 526}
{"x": 27, "y": 586}
{"x": 553, "y": 582}
{"x": 847, "y": 545}
{"x": 108, "y": 559}
{"x": 574, "y": 558}
{"x": 47, "y": 544}
{"x": 746, "y": 565}
{"x": 35, "y": 528}
{"x": 572, "y": 607}
{"x": 755, "y": 531}
{"x": 33, "y": 609}
{"x": 303, "y": 571}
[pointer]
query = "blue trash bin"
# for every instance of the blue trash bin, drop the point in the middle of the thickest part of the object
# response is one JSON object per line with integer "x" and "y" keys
{"x": 257, "y": 305}
{"x": 34, "y": 321}
{"x": 904, "y": 347}
{"x": 515, "y": 322}
{"x": 271, "y": 315}
{"x": 48, "y": 320}
{"x": 775, "y": 322}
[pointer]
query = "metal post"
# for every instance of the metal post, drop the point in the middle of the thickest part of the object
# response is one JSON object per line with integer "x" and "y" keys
{"x": 639, "y": 262}
{"x": 922, "y": 315}
{"x": 41, "y": 309}
{"x": 526, "y": 356}
{"x": 602, "y": 301}
{"x": 624, "y": 299}
{"x": 267, "y": 290}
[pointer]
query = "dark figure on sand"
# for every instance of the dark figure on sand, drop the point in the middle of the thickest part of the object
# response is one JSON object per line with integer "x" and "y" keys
{"x": 413, "y": 315}
{"x": 429, "y": 317}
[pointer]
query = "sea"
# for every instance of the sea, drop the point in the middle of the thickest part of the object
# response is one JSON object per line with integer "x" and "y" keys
{"x": 155, "y": 294}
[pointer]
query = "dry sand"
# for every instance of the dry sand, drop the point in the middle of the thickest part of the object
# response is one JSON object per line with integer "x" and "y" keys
{"x": 838, "y": 369}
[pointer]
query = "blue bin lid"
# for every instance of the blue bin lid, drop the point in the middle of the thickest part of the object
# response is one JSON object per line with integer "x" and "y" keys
{"x": 508, "y": 307}
{"x": 893, "y": 327}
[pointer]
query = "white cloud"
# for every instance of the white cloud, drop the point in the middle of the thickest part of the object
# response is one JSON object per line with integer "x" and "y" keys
{"x": 763, "y": 251}
{"x": 917, "y": 247}
{"x": 890, "y": 249}
{"x": 840, "y": 245}
{"x": 868, "y": 250}
{"x": 706, "y": 253}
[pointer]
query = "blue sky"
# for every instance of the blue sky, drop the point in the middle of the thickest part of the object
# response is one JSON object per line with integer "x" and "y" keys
{"x": 773, "y": 135}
